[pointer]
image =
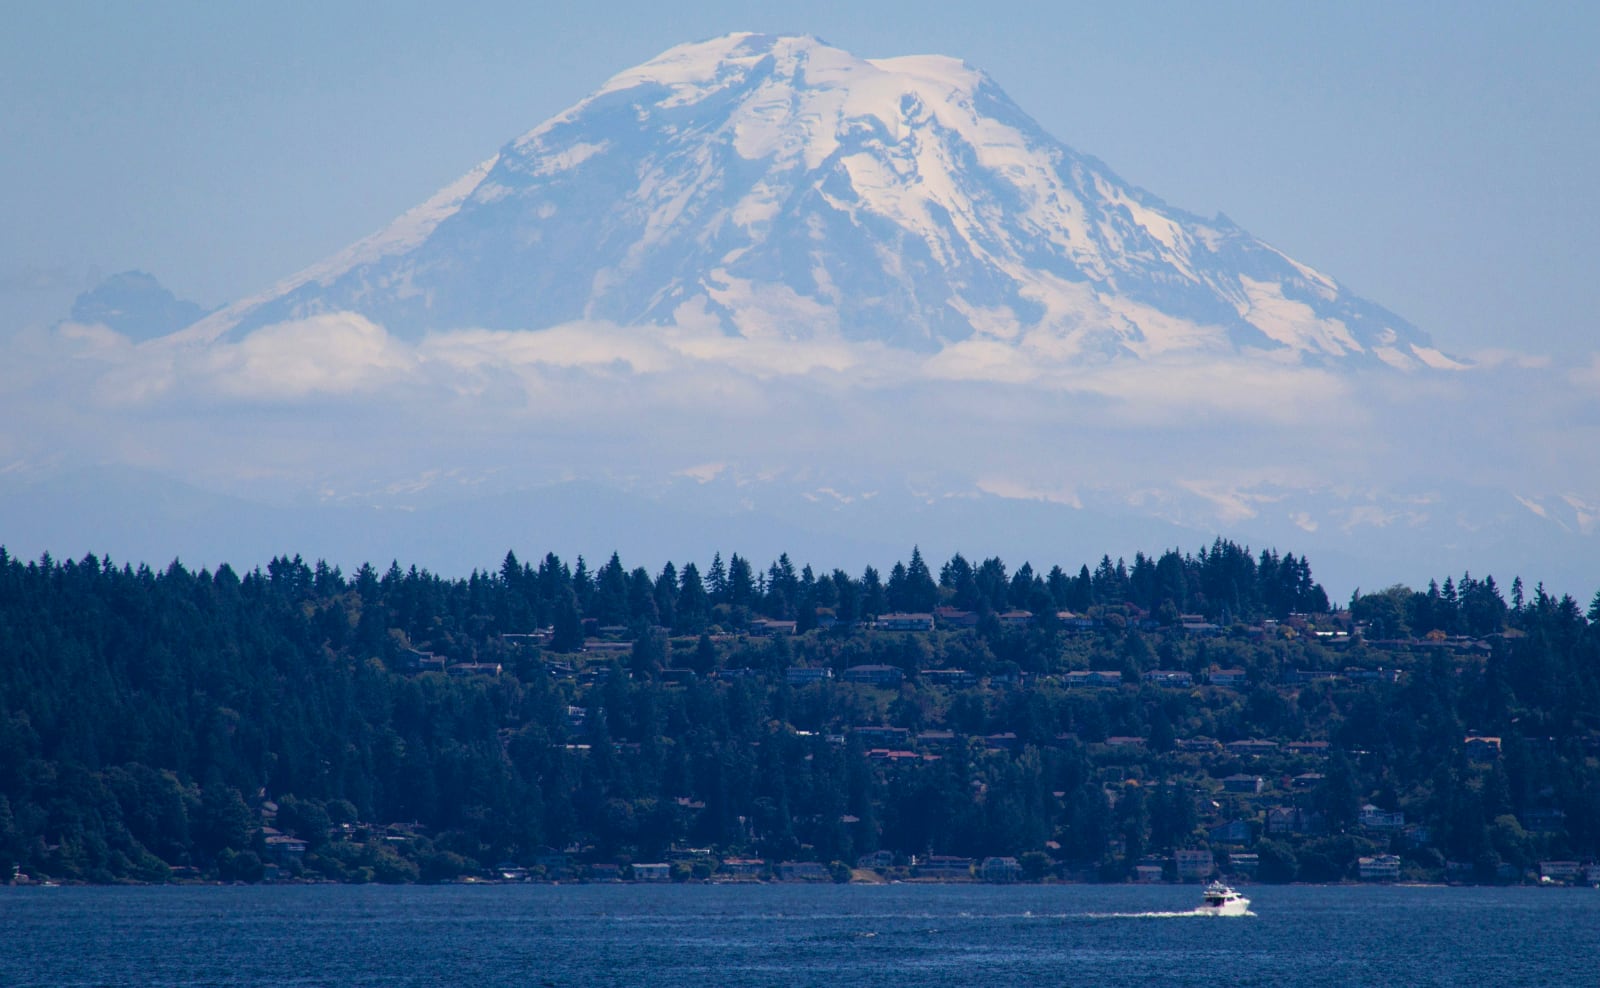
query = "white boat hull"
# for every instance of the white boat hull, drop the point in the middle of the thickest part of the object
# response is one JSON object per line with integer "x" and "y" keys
{"x": 1238, "y": 906}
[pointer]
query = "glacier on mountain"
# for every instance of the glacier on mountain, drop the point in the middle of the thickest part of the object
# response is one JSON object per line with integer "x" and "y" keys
{"x": 779, "y": 188}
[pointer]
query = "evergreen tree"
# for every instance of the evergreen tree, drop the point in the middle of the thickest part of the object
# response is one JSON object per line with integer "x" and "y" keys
{"x": 717, "y": 580}
{"x": 922, "y": 593}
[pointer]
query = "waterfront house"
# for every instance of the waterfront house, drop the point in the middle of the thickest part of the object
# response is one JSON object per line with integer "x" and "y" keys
{"x": 1245, "y": 863}
{"x": 741, "y": 869}
{"x": 1380, "y": 868}
{"x": 944, "y": 866}
{"x": 283, "y": 849}
{"x": 1147, "y": 874}
{"x": 1193, "y": 864}
{"x": 655, "y": 871}
{"x": 1000, "y": 870}
{"x": 605, "y": 872}
{"x": 1565, "y": 872}
{"x": 552, "y": 862}
{"x": 802, "y": 871}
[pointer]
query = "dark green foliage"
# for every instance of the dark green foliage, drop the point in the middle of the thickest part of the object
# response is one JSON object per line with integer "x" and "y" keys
{"x": 149, "y": 721}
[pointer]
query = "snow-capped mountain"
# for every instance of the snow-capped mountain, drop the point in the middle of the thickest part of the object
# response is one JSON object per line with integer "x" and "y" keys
{"x": 780, "y": 188}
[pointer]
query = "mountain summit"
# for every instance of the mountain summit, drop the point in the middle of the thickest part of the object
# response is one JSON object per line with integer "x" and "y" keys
{"x": 781, "y": 188}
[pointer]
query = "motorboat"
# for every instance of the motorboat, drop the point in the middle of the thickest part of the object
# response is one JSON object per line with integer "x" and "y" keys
{"x": 1221, "y": 900}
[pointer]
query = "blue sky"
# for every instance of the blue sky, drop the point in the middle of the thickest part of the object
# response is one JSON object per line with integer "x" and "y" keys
{"x": 1436, "y": 158}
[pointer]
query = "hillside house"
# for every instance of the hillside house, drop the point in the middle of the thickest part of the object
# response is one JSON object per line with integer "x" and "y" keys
{"x": 1373, "y": 818}
{"x": 1231, "y": 678}
{"x": 1232, "y": 832}
{"x": 1294, "y": 820}
{"x": 1317, "y": 749}
{"x": 1015, "y": 619}
{"x": 890, "y": 737}
{"x": 1243, "y": 784}
{"x": 950, "y": 679}
{"x": 766, "y": 628}
{"x": 1168, "y": 677}
{"x": 874, "y": 675}
{"x": 1093, "y": 677}
{"x": 1251, "y": 747}
{"x": 905, "y": 622}
{"x": 954, "y": 617}
{"x": 805, "y": 675}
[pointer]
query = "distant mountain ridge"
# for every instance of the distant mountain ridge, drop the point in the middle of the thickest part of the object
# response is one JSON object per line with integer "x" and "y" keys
{"x": 780, "y": 188}
{"x": 136, "y": 305}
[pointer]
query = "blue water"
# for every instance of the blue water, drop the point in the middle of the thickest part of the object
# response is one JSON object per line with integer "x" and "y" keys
{"x": 835, "y": 936}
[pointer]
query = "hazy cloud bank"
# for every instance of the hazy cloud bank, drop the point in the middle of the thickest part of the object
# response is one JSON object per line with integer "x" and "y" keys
{"x": 332, "y": 408}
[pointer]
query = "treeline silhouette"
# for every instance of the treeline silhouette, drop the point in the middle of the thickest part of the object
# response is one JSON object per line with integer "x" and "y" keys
{"x": 152, "y": 721}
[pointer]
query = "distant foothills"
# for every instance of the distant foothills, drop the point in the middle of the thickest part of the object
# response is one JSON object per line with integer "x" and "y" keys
{"x": 1183, "y": 716}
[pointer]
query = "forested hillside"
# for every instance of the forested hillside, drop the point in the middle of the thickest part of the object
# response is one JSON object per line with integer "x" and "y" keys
{"x": 549, "y": 719}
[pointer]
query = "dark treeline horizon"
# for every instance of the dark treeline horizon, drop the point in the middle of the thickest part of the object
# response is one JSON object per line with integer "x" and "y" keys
{"x": 147, "y": 717}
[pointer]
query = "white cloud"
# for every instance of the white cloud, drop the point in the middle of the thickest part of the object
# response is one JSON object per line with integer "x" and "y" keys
{"x": 1257, "y": 390}
{"x": 704, "y": 473}
{"x": 981, "y": 360}
{"x": 331, "y": 355}
{"x": 1215, "y": 445}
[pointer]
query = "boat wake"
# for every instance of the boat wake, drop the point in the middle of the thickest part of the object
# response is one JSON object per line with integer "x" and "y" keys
{"x": 1186, "y": 914}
